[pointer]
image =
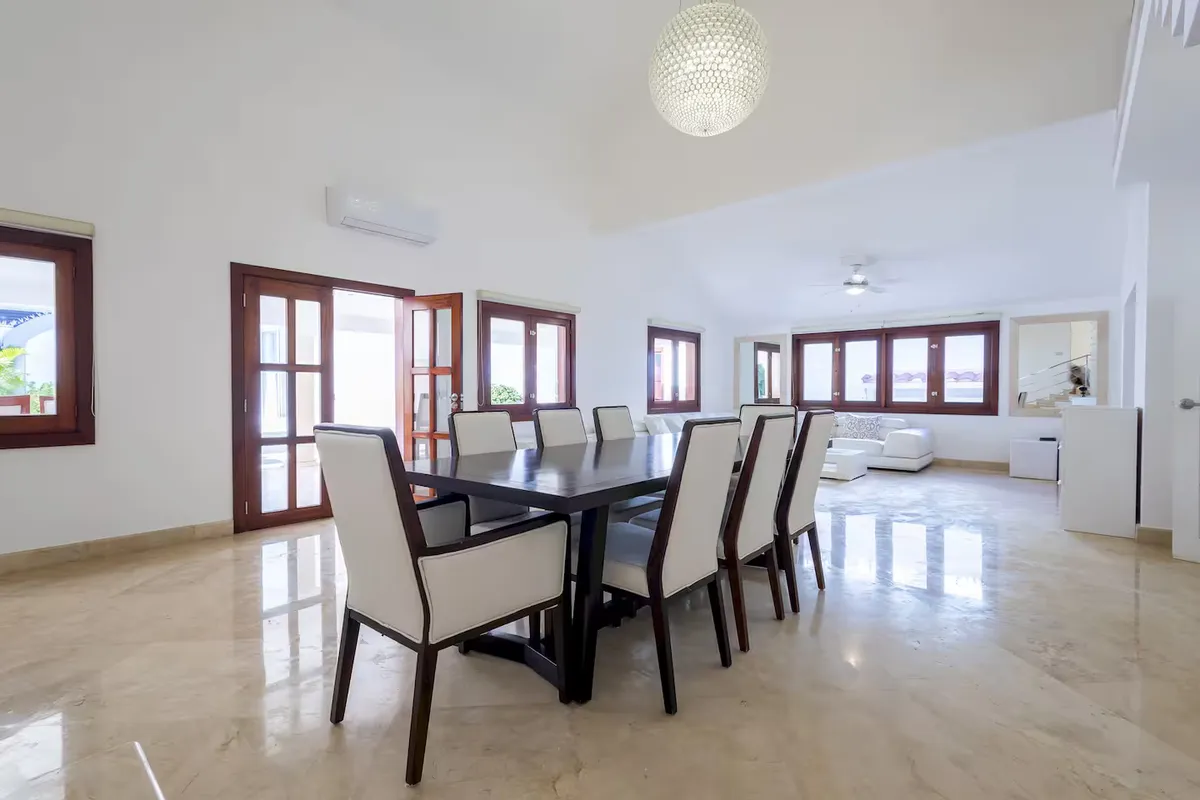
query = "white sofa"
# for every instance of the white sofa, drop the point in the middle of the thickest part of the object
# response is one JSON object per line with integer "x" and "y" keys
{"x": 901, "y": 448}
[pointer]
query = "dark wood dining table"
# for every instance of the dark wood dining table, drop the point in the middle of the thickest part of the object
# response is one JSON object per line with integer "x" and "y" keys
{"x": 585, "y": 478}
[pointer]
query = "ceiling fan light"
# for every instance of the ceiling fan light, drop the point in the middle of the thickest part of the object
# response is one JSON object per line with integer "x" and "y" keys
{"x": 855, "y": 290}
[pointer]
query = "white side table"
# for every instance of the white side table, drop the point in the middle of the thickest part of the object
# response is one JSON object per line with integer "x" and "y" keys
{"x": 1030, "y": 458}
{"x": 844, "y": 465}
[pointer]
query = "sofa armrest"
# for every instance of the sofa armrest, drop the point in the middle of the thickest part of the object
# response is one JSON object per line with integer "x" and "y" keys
{"x": 908, "y": 443}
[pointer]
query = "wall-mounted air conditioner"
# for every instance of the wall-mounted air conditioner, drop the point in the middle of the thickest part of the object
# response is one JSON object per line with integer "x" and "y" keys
{"x": 347, "y": 208}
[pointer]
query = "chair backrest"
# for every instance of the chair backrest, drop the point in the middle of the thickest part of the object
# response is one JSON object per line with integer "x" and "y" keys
{"x": 554, "y": 427}
{"x": 684, "y": 548}
{"x": 477, "y": 432}
{"x": 377, "y": 524}
{"x": 797, "y": 505}
{"x": 751, "y": 522}
{"x": 750, "y": 412}
{"x": 613, "y": 422}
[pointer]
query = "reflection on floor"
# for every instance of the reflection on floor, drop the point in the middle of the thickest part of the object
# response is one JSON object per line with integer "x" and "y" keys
{"x": 965, "y": 648}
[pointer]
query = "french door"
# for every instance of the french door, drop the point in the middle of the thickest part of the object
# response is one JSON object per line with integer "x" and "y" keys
{"x": 288, "y": 373}
{"x": 431, "y": 370}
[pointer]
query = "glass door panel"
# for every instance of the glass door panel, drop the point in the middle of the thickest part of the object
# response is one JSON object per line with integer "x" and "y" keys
{"x": 430, "y": 365}
{"x": 288, "y": 350}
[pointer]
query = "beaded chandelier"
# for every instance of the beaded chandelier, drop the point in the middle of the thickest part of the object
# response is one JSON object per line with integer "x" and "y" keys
{"x": 710, "y": 68}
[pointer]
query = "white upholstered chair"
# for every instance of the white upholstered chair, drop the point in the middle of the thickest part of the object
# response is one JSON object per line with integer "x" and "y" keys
{"x": 678, "y": 556}
{"x": 557, "y": 427}
{"x": 750, "y": 518}
{"x": 408, "y": 564}
{"x": 797, "y": 514}
{"x": 476, "y": 432}
{"x": 750, "y": 412}
{"x": 613, "y": 422}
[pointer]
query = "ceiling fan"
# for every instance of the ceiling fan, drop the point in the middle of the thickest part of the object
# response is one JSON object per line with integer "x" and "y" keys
{"x": 856, "y": 283}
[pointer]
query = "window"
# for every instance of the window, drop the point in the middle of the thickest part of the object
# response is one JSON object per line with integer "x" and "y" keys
{"x": 935, "y": 369}
{"x": 526, "y": 359}
{"x": 767, "y": 376}
{"x": 672, "y": 371}
{"x": 45, "y": 340}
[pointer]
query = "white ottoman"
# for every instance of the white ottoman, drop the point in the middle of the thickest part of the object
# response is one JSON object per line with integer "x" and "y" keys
{"x": 844, "y": 465}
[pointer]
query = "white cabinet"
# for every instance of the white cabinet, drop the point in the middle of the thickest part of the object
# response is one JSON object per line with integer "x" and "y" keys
{"x": 1099, "y": 470}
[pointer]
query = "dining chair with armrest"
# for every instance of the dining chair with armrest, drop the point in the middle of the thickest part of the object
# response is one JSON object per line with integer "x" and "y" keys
{"x": 408, "y": 563}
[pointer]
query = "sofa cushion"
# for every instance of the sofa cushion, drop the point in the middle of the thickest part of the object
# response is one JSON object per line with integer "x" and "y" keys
{"x": 872, "y": 447}
{"x": 859, "y": 426}
{"x": 908, "y": 443}
{"x": 655, "y": 424}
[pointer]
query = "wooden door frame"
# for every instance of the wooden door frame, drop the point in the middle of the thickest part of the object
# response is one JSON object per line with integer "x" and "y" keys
{"x": 453, "y": 302}
{"x": 238, "y": 273}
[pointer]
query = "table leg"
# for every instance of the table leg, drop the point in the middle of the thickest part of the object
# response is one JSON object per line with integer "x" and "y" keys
{"x": 589, "y": 602}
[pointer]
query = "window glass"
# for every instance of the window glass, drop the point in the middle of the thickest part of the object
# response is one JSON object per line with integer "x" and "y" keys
{"x": 910, "y": 370}
{"x": 664, "y": 370}
{"x": 686, "y": 380}
{"x": 28, "y": 337}
{"x": 507, "y": 349}
{"x": 965, "y": 357}
{"x": 861, "y": 378}
{"x": 551, "y": 363}
{"x": 818, "y": 371}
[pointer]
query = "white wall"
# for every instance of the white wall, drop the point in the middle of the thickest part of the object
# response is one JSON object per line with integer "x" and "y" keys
{"x": 197, "y": 134}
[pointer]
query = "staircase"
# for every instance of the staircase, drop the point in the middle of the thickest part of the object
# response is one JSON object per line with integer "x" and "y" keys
{"x": 1054, "y": 386}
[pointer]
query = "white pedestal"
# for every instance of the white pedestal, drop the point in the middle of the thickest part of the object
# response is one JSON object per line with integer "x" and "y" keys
{"x": 844, "y": 465}
{"x": 1099, "y": 484}
{"x": 1030, "y": 458}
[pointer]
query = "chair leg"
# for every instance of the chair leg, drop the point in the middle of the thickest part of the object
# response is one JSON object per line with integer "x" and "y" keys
{"x": 740, "y": 622}
{"x": 418, "y": 729}
{"x": 717, "y": 603}
{"x": 773, "y": 578}
{"x": 789, "y": 572}
{"x": 535, "y": 630}
{"x": 345, "y": 665}
{"x": 818, "y": 567}
{"x": 558, "y": 619}
{"x": 666, "y": 664}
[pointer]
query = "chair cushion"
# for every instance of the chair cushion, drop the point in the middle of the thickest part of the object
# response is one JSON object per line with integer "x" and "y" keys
{"x": 909, "y": 443}
{"x": 623, "y": 510}
{"x": 626, "y": 553}
{"x": 491, "y": 524}
{"x": 655, "y": 424}
{"x": 869, "y": 446}
{"x": 649, "y": 520}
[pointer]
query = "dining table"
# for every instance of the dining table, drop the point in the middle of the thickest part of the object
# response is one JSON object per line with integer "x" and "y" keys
{"x": 584, "y": 479}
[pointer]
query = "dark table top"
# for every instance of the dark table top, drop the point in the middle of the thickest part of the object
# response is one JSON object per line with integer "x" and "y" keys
{"x": 564, "y": 479}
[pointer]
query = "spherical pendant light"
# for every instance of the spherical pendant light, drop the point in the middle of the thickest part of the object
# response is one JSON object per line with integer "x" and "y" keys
{"x": 710, "y": 68}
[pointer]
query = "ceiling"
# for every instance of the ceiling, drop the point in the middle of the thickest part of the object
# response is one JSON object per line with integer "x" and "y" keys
{"x": 854, "y": 84}
{"x": 1026, "y": 218}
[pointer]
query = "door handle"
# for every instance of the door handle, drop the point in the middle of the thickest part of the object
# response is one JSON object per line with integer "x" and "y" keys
{"x": 1187, "y": 404}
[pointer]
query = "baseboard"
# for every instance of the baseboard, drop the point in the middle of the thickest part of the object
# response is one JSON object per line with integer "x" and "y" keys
{"x": 119, "y": 545}
{"x": 1159, "y": 537}
{"x": 982, "y": 466}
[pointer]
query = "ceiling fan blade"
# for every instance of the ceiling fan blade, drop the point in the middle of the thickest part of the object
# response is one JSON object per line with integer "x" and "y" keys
{"x": 877, "y": 289}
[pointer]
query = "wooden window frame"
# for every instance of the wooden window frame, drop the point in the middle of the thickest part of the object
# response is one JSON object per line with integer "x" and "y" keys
{"x": 74, "y": 422}
{"x": 935, "y": 403}
{"x": 523, "y": 412}
{"x": 675, "y": 406}
{"x": 776, "y": 352}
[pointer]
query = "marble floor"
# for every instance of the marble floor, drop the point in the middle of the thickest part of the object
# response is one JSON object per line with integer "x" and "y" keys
{"x": 964, "y": 649}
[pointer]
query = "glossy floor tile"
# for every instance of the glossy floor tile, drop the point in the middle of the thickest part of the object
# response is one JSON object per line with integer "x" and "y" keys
{"x": 965, "y": 648}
